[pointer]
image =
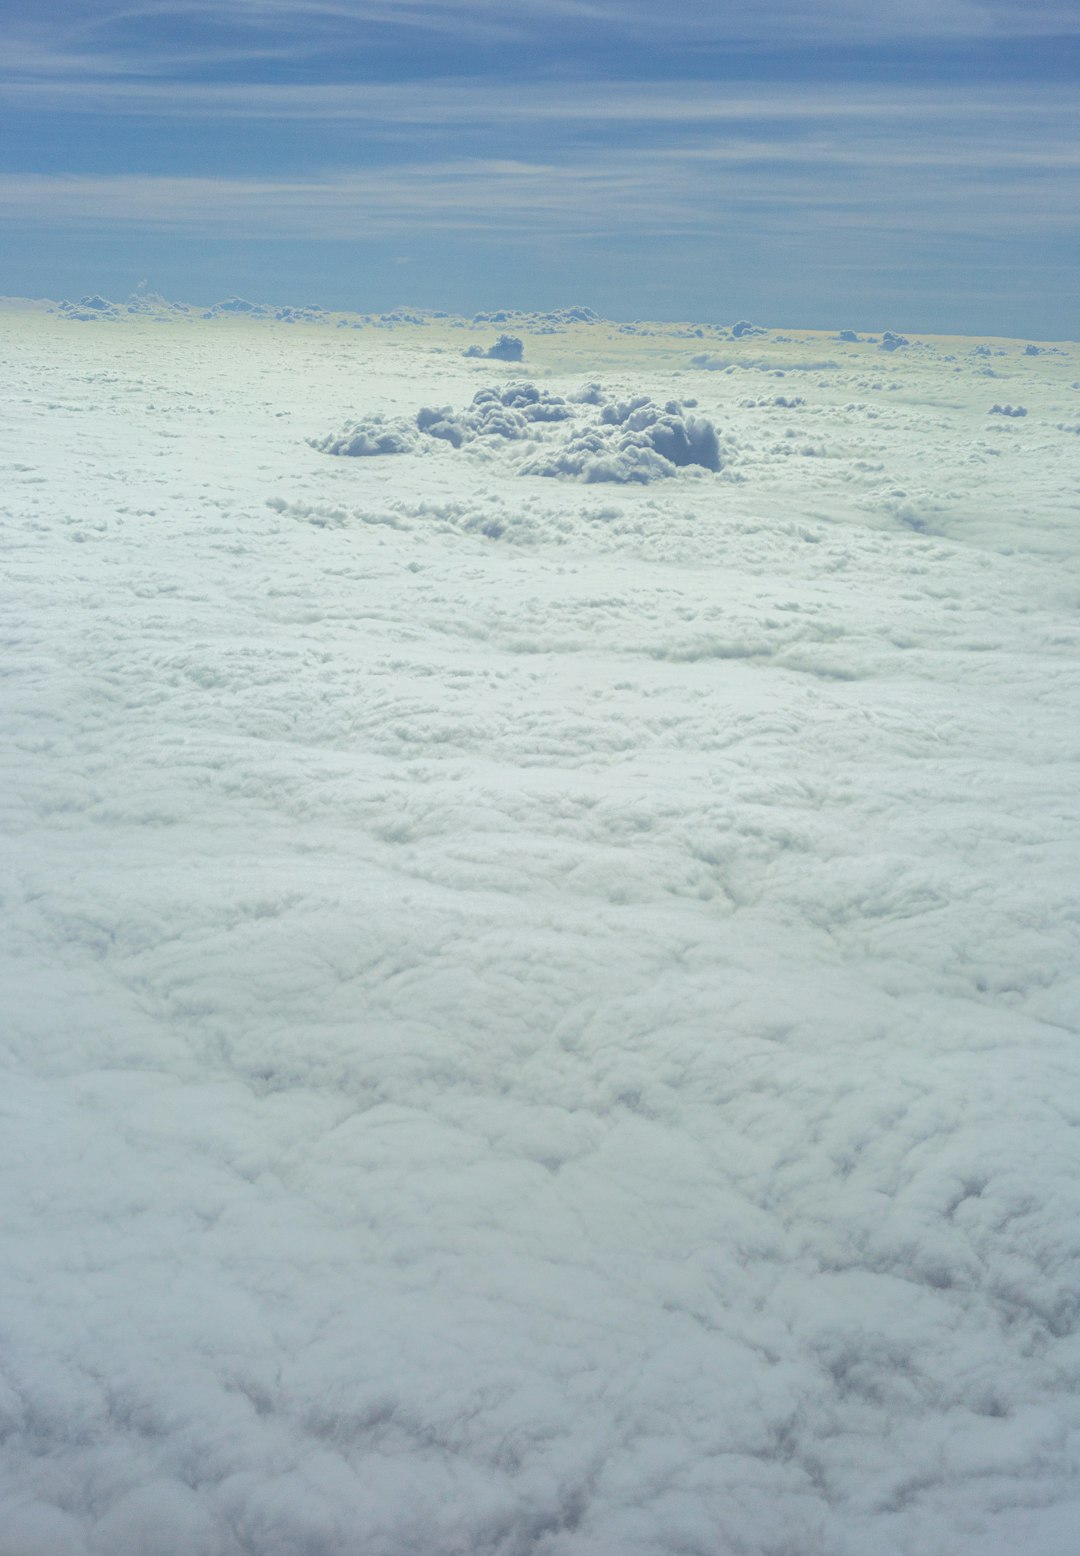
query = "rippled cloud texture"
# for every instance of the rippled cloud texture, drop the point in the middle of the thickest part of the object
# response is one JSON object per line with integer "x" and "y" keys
{"x": 539, "y": 1006}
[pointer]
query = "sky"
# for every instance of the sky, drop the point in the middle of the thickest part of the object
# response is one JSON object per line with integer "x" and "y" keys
{"x": 908, "y": 164}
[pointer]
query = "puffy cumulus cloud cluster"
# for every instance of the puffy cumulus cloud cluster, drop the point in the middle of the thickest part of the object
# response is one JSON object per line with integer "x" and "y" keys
{"x": 633, "y": 440}
{"x": 376, "y": 435}
{"x": 506, "y": 415}
{"x": 152, "y": 305}
{"x": 554, "y": 322}
{"x": 551, "y": 323}
{"x": 581, "y": 437}
{"x": 89, "y": 309}
{"x": 240, "y": 308}
{"x": 711, "y": 362}
{"x": 508, "y": 348}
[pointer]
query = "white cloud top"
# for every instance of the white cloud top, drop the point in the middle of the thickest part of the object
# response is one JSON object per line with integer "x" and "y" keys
{"x": 538, "y": 1018}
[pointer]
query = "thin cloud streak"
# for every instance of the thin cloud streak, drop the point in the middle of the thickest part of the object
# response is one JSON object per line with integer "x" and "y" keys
{"x": 796, "y": 21}
{"x": 81, "y": 39}
{"x": 33, "y": 63}
{"x": 641, "y": 194}
{"x": 476, "y": 101}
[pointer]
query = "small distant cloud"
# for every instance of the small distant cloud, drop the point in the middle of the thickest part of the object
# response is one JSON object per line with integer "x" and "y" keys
{"x": 508, "y": 348}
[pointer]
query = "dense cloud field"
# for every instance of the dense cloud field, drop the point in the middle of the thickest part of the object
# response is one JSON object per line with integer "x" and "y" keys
{"x": 539, "y": 963}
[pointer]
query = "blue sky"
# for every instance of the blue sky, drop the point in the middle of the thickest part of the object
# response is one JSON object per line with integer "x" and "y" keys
{"x": 908, "y": 164}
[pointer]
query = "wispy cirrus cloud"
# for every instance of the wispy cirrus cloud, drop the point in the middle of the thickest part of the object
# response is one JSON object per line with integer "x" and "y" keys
{"x": 475, "y": 99}
{"x": 73, "y": 36}
{"x": 965, "y": 159}
{"x": 690, "y": 190}
{"x": 765, "y": 21}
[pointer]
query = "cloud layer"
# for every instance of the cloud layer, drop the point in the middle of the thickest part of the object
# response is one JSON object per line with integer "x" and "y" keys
{"x": 539, "y": 1020}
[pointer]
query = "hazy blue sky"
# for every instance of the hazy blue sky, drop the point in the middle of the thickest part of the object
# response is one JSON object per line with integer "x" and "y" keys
{"x": 911, "y": 164}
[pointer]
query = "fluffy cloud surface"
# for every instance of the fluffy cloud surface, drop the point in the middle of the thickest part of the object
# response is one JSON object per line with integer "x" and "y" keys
{"x": 540, "y": 1020}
